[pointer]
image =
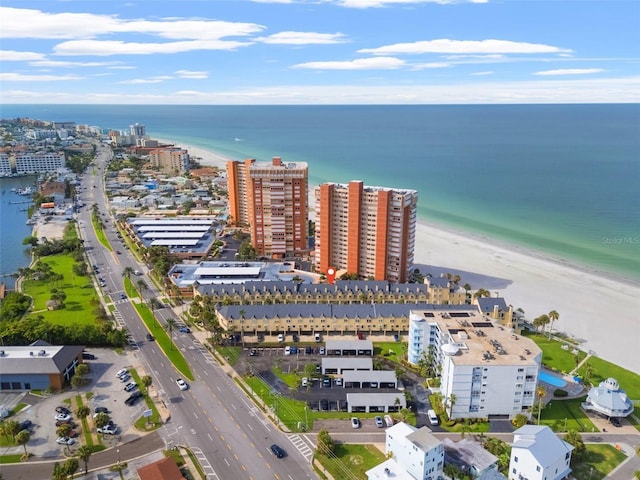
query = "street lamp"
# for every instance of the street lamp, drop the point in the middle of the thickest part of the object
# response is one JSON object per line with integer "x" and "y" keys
{"x": 306, "y": 420}
{"x": 118, "y": 452}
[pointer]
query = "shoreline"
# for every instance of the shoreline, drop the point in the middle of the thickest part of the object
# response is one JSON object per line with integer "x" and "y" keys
{"x": 597, "y": 308}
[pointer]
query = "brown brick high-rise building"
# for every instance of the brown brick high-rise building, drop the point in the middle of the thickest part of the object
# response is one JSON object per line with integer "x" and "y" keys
{"x": 369, "y": 231}
{"x": 272, "y": 199}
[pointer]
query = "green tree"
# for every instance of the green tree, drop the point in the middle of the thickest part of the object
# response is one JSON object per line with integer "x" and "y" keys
{"x": 146, "y": 381}
{"x": 127, "y": 272}
{"x": 541, "y": 322}
{"x": 326, "y": 445}
{"x": 11, "y": 429}
{"x": 154, "y": 304}
{"x": 171, "y": 326}
{"x": 59, "y": 473}
{"x": 142, "y": 286}
{"x": 482, "y": 292}
{"x": 541, "y": 392}
{"x": 76, "y": 382}
{"x": 572, "y": 437}
{"x": 83, "y": 411}
{"x": 519, "y": 420}
{"x": 553, "y": 316}
{"x": 22, "y": 438}
{"x": 63, "y": 430}
{"x": 101, "y": 420}
{"x": 84, "y": 452}
{"x": 82, "y": 369}
{"x": 71, "y": 466}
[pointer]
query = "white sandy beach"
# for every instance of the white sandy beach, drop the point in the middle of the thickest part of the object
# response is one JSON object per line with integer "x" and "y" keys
{"x": 598, "y": 310}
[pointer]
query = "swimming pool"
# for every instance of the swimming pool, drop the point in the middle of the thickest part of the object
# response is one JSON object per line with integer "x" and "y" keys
{"x": 551, "y": 379}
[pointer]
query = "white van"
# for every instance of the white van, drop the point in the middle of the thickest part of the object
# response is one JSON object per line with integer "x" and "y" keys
{"x": 287, "y": 350}
{"x": 433, "y": 418}
{"x": 317, "y": 337}
{"x": 388, "y": 420}
{"x": 281, "y": 337}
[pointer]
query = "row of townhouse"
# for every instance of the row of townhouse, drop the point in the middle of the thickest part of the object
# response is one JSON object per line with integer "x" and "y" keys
{"x": 341, "y": 291}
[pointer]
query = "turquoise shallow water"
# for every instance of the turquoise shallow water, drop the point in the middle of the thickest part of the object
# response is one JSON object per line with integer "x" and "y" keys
{"x": 560, "y": 179}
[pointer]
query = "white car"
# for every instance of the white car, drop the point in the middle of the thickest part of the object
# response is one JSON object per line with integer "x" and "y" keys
{"x": 130, "y": 386}
{"x": 355, "y": 423}
{"x": 108, "y": 430}
{"x": 119, "y": 373}
{"x": 65, "y": 441}
{"x": 125, "y": 377}
{"x": 182, "y": 385}
{"x": 287, "y": 350}
{"x": 63, "y": 417}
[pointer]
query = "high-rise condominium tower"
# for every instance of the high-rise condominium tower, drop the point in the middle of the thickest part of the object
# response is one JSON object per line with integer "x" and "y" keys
{"x": 369, "y": 231}
{"x": 272, "y": 199}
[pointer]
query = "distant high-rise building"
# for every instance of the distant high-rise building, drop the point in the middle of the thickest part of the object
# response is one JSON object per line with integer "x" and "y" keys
{"x": 138, "y": 130}
{"x": 369, "y": 231}
{"x": 271, "y": 198}
{"x": 171, "y": 160}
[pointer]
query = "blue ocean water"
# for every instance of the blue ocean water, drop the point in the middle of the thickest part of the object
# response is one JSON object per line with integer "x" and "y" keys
{"x": 560, "y": 179}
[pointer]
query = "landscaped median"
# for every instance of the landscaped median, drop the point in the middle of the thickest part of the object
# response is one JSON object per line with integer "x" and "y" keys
{"x": 161, "y": 336}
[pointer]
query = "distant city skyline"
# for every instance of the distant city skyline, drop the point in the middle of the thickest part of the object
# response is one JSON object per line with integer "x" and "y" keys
{"x": 320, "y": 52}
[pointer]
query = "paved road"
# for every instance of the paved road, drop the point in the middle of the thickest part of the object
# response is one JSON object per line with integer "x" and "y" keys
{"x": 213, "y": 415}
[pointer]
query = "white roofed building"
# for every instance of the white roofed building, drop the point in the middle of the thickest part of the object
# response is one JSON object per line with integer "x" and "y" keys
{"x": 539, "y": 454}
{"x": 608, "y": 399}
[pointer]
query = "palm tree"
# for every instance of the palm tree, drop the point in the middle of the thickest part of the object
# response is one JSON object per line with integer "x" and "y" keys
{"x": 127, "y": 272}
{"x": 553, "y": 316}
{"x": 84, "y": 452}
{"x": 154, "y": 304}
{"x": 541, "y": 392}
{"x": 146, "y": 381}
{"x": 22, "y": 438}
{"x": 171, "y": 325}
{"x": 482, "y": 292}
{"x": 142, "y": 285}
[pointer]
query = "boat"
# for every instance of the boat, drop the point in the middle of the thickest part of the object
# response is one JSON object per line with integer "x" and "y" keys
{"x": 25, "y": 191}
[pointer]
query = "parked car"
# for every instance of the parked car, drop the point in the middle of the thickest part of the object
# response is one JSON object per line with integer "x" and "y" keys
{"x": 308, "y": 350}
{"x": 338, "y": 382}
{"x": 379, "y": 422}
{"x": 65, "y": 441}
{"x": 294, "y": 350}
{"x": 277, "y": 451}
{"x": 133, "y": 398}
{"x": 123, "y": 296}
{"x": 59, "y": 423}
{"x": 88, "y": 356}
{"x": 109, "y": 429}
{"x": 119, "y": 373}
{"x": 26, "y": 425}
{"x": 182, "y": 385}
{"x": 130, "y": 386}
{"x": 355, "y": 422}
{"x": 388, "y": 420}
{"x": 101, "y": 410}
{"x": 125, "y": 377}
{"x": 287, "y": 350}
{"x": 322, "y": 351}
{"x": 64, "y": 410}
{"x": 324, "y": 405}
{"x": 63, "y": 417}
{"x": 615, "y": 421}
{"x": 253, "y": 352}
{"x": 326, "y": 382}
{"x": 304, "y": 382}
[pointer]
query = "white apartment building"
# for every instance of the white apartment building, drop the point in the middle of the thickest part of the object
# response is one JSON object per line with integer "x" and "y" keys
{"x": 415, "y": 454}
{"x": 5, "y": 165}
{"x": 486, "y": 369}
{"x": 30, "y": 162}
{"x": 539, "y": 454}
{"x": 369, "y": 231}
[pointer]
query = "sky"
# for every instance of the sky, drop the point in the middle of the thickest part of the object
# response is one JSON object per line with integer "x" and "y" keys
{"x": 275, "y": 52}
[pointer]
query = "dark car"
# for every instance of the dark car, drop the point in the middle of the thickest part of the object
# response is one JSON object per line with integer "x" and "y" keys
{"x": 324, "y": 405}
{"x": 63, "y": 410}
{"x": 615, "y": 421}
{"x": 101, "y": 410}
{"x": 88, "y": 356}
{"x": 277, "y": 451}
{"x": 26, "y": 425}
{"x": 185, "y": 330}
{"x": 133, "y": 398}
{"x": 150, "y": 337}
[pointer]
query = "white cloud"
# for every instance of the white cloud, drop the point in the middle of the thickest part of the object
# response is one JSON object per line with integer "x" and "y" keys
{"x": 57, "y": 63}
{"x": 13, "y": 56}
{"x": 31, "y": 23}
{"x": 192, "y": 74}
{"x": 139, "y": 81}
{"x": 479, "y": 74}
{"x": 378, "y": 63}
{"x": 445, "y": 45}
{"x": 303, "y": 38}
{"x": 384, "y": 3}
{"x": 116, "y": 47}
{"x": 19, "y": 77}
{"x": 570, "y": 71}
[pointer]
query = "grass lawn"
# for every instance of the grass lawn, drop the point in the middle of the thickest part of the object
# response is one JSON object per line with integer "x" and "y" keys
{"x": 162, "y": 338}
{"x": 230, "y": 354}
{"x": 556, "y": 411}
{"x": 628, "y": 380}
{"x": 394, "y": 351}
{"x": 602, "y": 458}
{"x": 553, "y": 356}
{"x": 100, "y": 235}
{"x": 351, "y": 460}
{"x": 79, "y": 290}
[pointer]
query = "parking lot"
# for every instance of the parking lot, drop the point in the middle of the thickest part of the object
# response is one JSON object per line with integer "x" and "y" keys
{"x": 107, "y": 391}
